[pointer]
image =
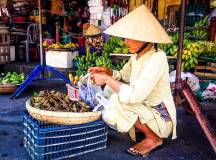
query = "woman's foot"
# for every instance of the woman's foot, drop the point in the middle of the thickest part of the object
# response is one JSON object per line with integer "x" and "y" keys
{"x": 145, "y": 146}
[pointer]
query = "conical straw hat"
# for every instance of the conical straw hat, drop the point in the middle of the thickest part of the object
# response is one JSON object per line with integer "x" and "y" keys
{"x": 93, "y": 30}
{"x": 140, "y": 24}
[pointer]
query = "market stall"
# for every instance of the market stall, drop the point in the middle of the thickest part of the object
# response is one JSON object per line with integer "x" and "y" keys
{"x": 81, "y": 46}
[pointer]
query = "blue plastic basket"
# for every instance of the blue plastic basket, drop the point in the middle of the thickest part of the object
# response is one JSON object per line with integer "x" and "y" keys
{"x": 49, "y": 141}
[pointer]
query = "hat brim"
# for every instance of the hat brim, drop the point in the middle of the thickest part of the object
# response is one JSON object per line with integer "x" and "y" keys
{"x": 140, "y": 25}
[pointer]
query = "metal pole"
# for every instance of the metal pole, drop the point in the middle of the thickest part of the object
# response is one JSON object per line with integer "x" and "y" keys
{"x": 179, "y": 57}
{"x": 40, "y": 33}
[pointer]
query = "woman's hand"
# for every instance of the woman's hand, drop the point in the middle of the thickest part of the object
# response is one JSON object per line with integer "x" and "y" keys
{"x": 99, "y": 79}
{"x": 104, "y": 79}
{"x": 102, "y": 70}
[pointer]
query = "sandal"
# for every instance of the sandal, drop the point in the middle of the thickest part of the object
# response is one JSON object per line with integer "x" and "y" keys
{"x": 142, "y": 154}
{"x": 136, "y": 153}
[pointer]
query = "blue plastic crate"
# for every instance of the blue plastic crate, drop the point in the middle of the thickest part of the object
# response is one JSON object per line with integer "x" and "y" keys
{"x": 50, "y": 141}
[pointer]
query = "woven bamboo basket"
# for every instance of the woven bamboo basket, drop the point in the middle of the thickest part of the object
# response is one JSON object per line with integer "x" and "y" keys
{"x": 7, "y": 88}
{"x": 64, "y": 118}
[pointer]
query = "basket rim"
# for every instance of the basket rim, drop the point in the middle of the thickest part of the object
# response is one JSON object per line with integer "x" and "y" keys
{"x": 59, "y": 114}
{"x": 9, "y": 84}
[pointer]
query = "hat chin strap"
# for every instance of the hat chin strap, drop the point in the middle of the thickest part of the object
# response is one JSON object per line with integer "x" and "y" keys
{"x": 142, "y": 48}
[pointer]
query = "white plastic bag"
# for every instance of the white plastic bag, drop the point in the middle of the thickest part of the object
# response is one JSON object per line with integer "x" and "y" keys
{"x": 88, "y": 91}
{"x": 210, "y": 92}
{"x": 192, "y": 80}
{"x": 172, "y": 76}
{"x": 108, "y": 114}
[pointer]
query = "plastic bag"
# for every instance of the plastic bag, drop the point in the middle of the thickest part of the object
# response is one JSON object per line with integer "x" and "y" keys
{"x": 88, "y": 90}
{"x": 172, "y": 76}
{"x": 210, "y": 92}
{"x": 191, "y": 79}
{"x": 108, "y": 114}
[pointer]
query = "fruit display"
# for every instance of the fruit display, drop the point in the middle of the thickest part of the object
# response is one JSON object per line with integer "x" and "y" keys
{"x": 12, "y": 78}
{"x": 208, "y": 48}
{"x": 103, "y": 61}
{"x": 171, "y": 49}
{"x": 57, "y": 101}
{"x": 115, "y": 45}
{"x": 85, "y": 62}
{"x": 190, "y": 55}
{"x": 91, "y": 60}
{"x": 194, "y": 45}
{"x": 201, "y": 34}
{"x": 69, "y": 45}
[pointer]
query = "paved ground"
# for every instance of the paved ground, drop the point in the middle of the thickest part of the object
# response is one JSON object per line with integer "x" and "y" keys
{"x": 190, "y": 145}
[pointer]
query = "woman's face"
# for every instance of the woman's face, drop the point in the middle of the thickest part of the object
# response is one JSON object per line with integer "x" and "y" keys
{"x": 133, "y": 45}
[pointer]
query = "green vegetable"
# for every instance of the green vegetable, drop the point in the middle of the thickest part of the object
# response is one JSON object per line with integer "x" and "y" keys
{"x": 12, "y": 78}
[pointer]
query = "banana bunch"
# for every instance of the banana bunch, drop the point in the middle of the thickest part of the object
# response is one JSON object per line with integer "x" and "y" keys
{"x": 203, "y": 22}
{"x": 103, "y": 61}
{"x": 190, "y": 55}
{"x": 209, "y": 48}
{"x": 70, "y": 45}
{"x": 115, "y": 45}
{"x": 74, "y": 79}
{"x": 201, "y": 33}
{"x": 55, "y": 46}
{"x": 170, "y": 49}
{"x": 85, "y": 62}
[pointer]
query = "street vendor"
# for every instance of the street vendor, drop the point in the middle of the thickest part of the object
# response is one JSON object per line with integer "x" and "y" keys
{"x": 141, "y": 95}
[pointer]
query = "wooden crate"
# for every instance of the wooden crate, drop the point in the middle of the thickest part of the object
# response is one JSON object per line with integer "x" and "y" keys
{"x": 207, "y": 72}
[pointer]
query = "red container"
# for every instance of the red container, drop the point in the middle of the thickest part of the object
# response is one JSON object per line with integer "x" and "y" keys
{"x": 73, "y": 93}
{"x": 19, "y": 19}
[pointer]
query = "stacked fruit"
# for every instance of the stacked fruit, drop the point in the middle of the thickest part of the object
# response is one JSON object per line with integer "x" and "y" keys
{"x": 85, "y": 62}
{"x": 201, "y": 33}
{"x": 12, "y": 78}
{"x": 209, "y": 48}
{"x": 190, "y": 54}
{"x": 115, "y": 45}
{"x": 55, "y": 46}
{"x": 170, "y": 49}
{"x": 103, "y": 61}
{"x": 91, "y": 60}
{"x": 69, "y": 45}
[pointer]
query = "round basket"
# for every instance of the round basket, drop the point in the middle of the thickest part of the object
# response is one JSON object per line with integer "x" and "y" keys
{"x": 64, "y": 118}
{"x": 7, "y": 88}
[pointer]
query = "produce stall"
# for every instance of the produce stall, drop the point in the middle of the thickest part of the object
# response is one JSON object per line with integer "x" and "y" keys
{"x": 71, "y": 115}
